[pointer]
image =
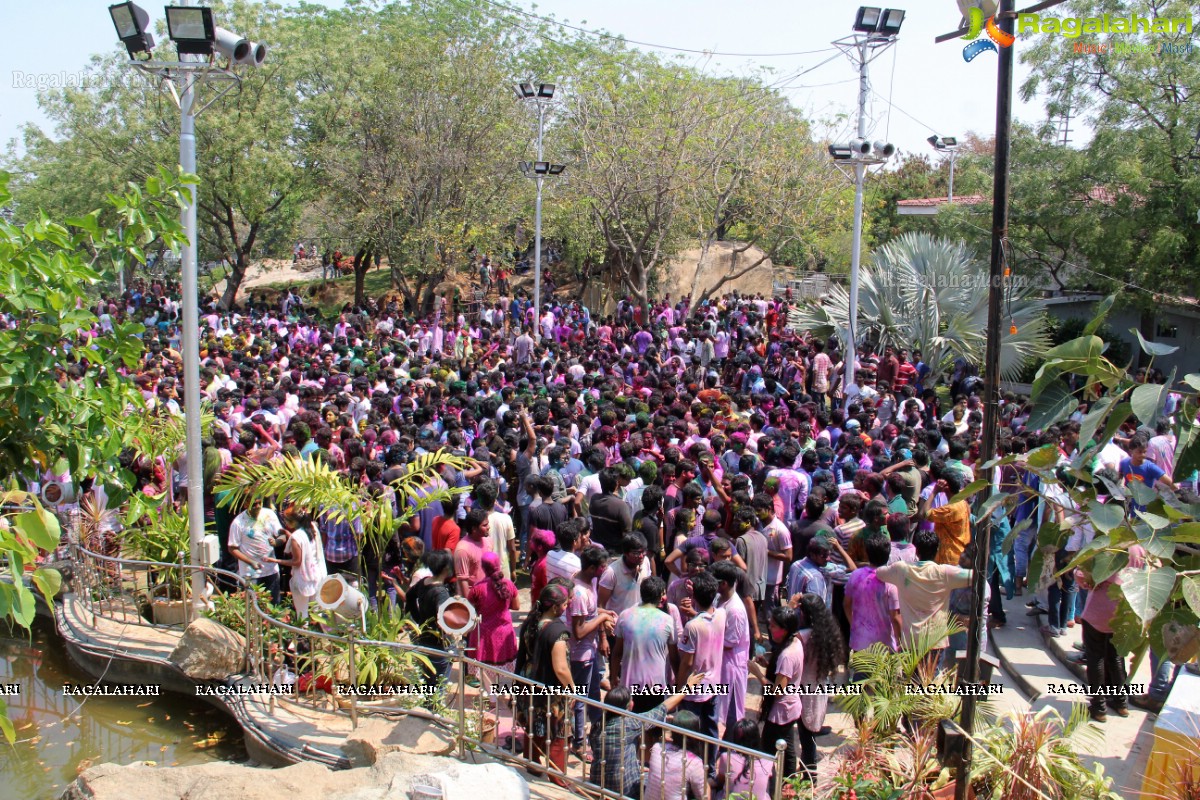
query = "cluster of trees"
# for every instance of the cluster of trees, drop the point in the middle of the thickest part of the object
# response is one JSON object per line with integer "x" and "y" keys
{"x": 1115, "y": 215}
{"x": 391, "y": 132}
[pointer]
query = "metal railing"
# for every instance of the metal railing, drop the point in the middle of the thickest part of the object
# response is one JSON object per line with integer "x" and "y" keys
{"x": 278, "y": 653}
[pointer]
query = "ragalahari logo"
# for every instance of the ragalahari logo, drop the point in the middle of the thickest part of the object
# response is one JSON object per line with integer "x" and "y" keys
{"x": 995, "y": 35}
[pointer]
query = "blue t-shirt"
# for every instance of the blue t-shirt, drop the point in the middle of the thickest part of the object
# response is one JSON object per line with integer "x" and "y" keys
{"x": 1148, "y": 473}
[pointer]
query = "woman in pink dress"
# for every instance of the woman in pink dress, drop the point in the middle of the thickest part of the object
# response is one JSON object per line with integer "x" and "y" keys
{"x": 495, "y": 598}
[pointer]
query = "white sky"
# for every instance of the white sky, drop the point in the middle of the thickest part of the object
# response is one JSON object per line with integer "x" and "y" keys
{"x": 933, "y": 90}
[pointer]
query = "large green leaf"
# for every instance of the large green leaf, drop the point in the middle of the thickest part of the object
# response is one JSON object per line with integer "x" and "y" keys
{"x": 1148, "y": 590}
{"x": 1054, "y": 405}
{"x": 1107, "y": 564}
{"x": 1148, "y": 401}
{"x": 1186, "y": 533}
{"x": 1153, "y": 348}
{"x": 1092, "y": 419}
{"x": 48, "y": 582}
{"x": 1190, "y": 585}
{"x": 1102, "y": 309}
{"x": 1043, "y": 457}
{"x": 40, "y": 526}
{"x": 1105, "y": 516}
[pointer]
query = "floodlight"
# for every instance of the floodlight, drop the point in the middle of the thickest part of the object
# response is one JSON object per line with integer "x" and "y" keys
{"x": 556, "y": 169}
{"x": 130, "y": 22}
{"x": 232, "y": 46}
{"x": 935, "y": 142}
{"x": 885, "y": 149}
{"x": 192, "y": 29}
{"x": 840, "y": 152}
{"x": 545, "y": 90}
{"x": 525, "y": 90}
{"x": 541, "y": 167}
{"x": 889, "y": 24}
{"x": 860, "y": 147}
{"x": 867, "y": 19}
{"x": 523, "y": 166}
{"x": 949, "y": 141}
{"x": 943, "y": 142}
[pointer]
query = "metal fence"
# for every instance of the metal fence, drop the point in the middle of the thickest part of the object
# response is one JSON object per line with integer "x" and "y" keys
{"x": 277, "y": 652}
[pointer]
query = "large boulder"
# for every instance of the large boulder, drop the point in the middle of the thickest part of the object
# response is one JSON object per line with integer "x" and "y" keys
{"x": 376, "y": 737}
{"x": 209, "y": 651}
{"x": 391, "y": 779}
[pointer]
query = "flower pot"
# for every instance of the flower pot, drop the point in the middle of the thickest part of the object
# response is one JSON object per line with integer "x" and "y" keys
{"x": 487, "y": 728}
{"x": 169, "y": 612}
{"x": 946, "y": 793}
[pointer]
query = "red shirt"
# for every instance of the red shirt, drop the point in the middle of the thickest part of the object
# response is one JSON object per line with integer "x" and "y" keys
{"x": 446, "y": 534}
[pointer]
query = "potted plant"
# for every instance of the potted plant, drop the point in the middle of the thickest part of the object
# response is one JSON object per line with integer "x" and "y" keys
{"x": 163, "y": 536}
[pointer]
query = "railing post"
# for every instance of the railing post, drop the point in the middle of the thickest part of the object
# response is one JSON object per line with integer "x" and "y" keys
{"x": 353, "y": 682}
{"x": 780, "y": 750}
{"x": 183, "y": 592}
{"x": 462, "y": 698}
{"x": 249, "y": 612}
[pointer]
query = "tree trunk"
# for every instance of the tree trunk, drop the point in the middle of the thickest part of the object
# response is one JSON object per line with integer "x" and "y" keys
{"x": 362, "y": 263}
{"x": 239, "y": 265}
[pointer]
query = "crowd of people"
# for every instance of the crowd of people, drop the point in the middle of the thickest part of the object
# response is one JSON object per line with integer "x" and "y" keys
{"x": 692, "y": 495}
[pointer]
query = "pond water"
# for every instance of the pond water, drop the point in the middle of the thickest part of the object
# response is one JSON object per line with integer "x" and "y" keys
{"x": 57, "y": 735}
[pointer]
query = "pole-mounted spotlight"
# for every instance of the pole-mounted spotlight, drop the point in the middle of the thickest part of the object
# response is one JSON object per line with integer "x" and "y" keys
{"x": 131, "y": 22}
{"x": 871, "y": 19}
{"x": 867, "y": 19}
{"x": 192, "y": 29}
{"x": 525, "y": 90}
{"x": 840, "y": 152}
{"x": 860, "y": 147}
{"x": 556, "y": 169}
{"x": 885, "y": 149}
{"x": 545, "y": 91}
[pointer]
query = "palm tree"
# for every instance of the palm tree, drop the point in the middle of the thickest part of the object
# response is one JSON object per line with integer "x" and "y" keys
{"x": 927, "y": 293}
{"x": 311, "y": 486}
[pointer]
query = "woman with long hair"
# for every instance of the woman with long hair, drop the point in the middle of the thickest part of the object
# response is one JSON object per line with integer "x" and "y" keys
{"x": 495, "y": 597}
{"x": 543, "y": 656}
{"x": 825, "y": 650}
{"x": 782, "y": 706}
{"x": 677, "y": 766}
{"x": 738, "y": 775}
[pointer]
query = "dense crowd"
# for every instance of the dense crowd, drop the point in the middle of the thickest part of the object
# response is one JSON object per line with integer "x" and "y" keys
{"x": 694, "y": 497}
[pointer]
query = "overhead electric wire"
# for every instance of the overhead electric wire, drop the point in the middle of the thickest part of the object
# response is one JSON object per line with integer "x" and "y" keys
{"x": 618, "y": 37}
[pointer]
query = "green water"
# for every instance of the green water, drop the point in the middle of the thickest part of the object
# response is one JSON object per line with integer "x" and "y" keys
{"x": 60, "y": 735}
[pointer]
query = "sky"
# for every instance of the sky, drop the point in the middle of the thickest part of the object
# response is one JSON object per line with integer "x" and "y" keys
{"x": 918, "y": 88}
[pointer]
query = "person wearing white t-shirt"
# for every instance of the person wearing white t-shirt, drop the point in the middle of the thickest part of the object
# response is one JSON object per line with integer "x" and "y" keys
{"x": 252, "y": 542}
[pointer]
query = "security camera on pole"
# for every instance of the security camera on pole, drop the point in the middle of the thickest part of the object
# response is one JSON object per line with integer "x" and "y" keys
{"x": 875, "y": 31}
{"x": 200, "y": 44}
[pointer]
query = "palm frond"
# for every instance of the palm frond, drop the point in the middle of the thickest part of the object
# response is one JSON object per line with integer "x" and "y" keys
{"x": 920, "y": 291}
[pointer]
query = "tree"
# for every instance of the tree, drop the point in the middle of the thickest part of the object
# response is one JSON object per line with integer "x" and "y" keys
{"x": 1143, "y": 108}
{"x": 930, "y": 294}
{"x": 415, "y": 139}
{"x": 1158, "y": 604}
{"x": 62, "y": 399}
{"x": 120, "y": 127}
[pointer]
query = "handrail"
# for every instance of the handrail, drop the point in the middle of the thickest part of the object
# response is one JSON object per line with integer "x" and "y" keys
{"x": 261, "y": 663}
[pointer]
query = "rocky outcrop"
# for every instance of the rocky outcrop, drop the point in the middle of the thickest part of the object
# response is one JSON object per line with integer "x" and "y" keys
{"x": 394, "y": 776}
{"x": 209, "y": 651}
{"x": 375, "y": 738}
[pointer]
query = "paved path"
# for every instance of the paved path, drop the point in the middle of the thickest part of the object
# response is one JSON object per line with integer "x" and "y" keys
{"x": 1127, "y": 741}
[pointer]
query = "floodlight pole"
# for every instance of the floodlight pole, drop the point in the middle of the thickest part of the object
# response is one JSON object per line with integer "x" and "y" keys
{"x": 190, "y": 339}
{"x": 537, "y": 234}
{"x": 862, "y": 49}
{"x": 180, "y": 79}
{"x": 950, "y": 192}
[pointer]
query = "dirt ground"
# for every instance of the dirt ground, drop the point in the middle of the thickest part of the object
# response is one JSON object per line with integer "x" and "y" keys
{"x": 680, "y": 278}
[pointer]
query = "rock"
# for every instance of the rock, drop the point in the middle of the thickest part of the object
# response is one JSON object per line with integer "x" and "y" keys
{"x": 391, "y": 779}
{"x": 374, "y": 738}
{"x": 209, "y": 651}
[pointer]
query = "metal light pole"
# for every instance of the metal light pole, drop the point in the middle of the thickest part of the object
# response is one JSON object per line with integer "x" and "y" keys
{"x": 947, "y": 144}
{"x": 541, "y": 97}
{"x": 180, "y": 78}
{"x": 877, "y": 30}
{"x": 191, "y": 337}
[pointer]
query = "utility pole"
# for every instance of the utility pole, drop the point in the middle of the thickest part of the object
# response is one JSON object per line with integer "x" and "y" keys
{"x": 873, "y": 38}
